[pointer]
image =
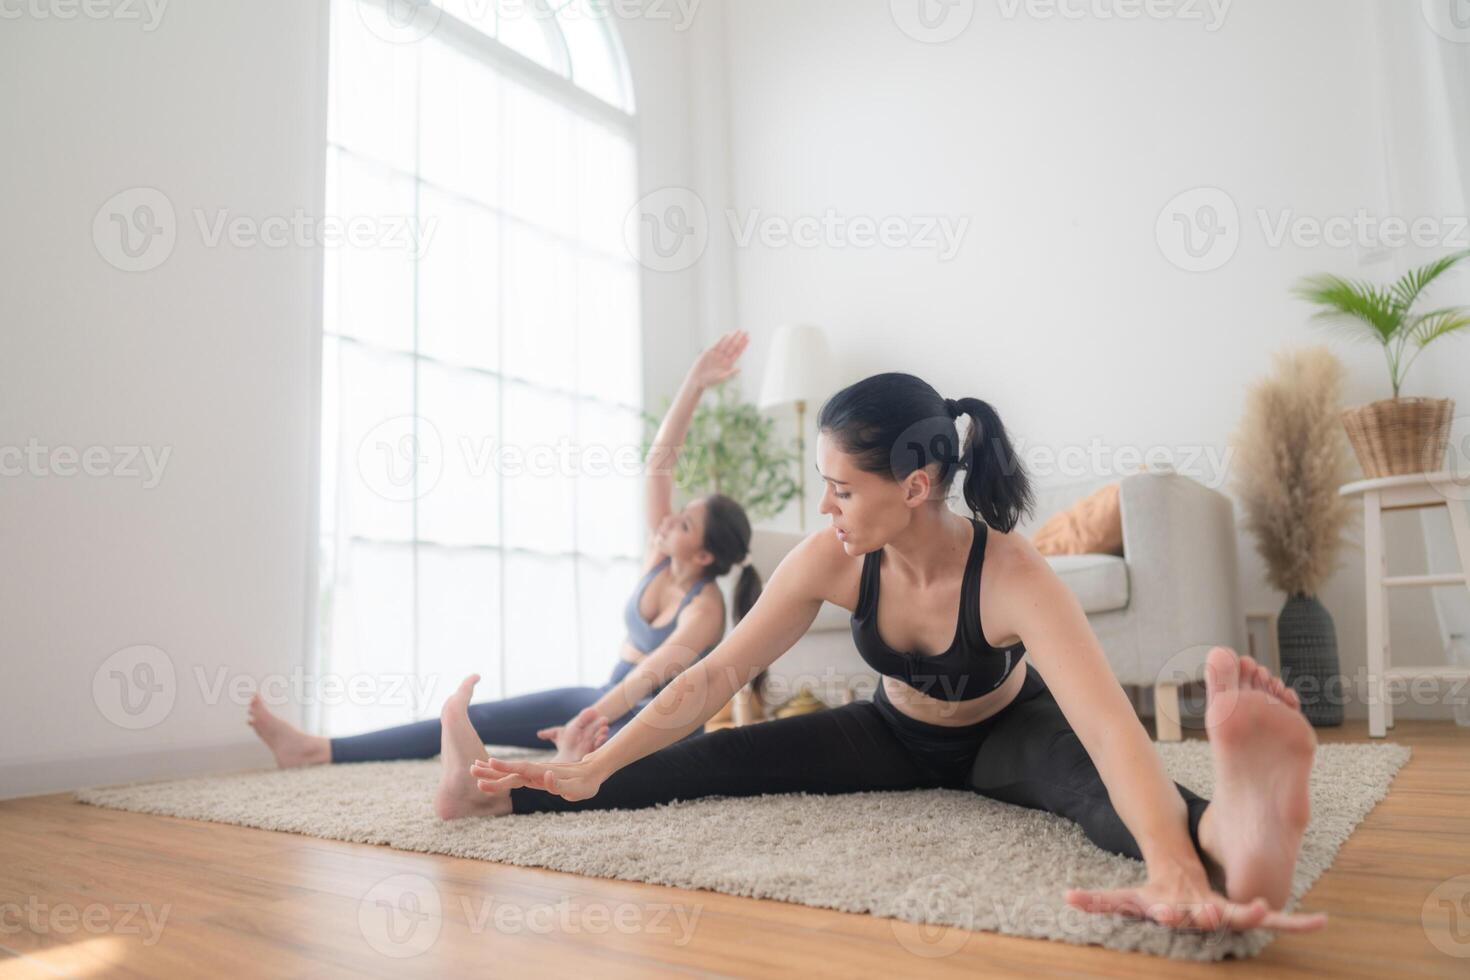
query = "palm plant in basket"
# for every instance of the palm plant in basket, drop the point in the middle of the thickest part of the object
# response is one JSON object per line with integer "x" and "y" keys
{"x": 1394, "y": 435}
{"x": 1290, "y": 459}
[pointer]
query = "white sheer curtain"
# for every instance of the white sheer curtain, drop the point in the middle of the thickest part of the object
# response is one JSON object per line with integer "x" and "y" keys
{"x": 481, "y": 334}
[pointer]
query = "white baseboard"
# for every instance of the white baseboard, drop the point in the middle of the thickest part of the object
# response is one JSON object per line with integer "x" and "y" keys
{"x": 59, "y": 774}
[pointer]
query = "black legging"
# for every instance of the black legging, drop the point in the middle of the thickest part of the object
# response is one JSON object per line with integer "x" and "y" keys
{"x": 509, "y": 721}
{"x": 1026, "y": 754}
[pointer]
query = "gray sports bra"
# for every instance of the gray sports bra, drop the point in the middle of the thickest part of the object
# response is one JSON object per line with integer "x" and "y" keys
{"x": 642, "y": 634}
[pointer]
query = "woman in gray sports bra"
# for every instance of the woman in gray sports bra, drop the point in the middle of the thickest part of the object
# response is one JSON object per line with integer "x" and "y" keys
{"x": 687, "y": 550}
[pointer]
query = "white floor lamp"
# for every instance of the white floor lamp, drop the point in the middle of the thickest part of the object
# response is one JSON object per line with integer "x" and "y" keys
{"x": 798, "y": 370}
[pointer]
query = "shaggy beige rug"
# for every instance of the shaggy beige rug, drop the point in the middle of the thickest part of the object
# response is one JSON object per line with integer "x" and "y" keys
{"x": 930, "y": 859}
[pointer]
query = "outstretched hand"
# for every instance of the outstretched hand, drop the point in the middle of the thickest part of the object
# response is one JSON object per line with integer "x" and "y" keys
{"x": 1185, "y": 900}
{"x": 569, "y": 780}
{"x": 576, "y": 738}
{"x": 718, "y": 362}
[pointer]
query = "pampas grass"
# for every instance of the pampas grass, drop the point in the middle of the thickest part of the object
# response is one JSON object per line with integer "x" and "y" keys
{"x": 1291, "y": 455}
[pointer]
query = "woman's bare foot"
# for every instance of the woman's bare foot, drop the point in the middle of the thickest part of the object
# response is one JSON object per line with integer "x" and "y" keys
{"x": 1262, "y": 748}
{"x": 459, "y": 746}
{"x": 291, "y": 746}
{"x": 580, "y": 735}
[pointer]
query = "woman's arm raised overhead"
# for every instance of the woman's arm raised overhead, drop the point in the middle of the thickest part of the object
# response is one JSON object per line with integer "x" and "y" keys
{"x": 711, "y": 367}
{"x": 785, "y": 610}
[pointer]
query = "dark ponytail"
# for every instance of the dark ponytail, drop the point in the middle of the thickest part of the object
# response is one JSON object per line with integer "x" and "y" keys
{"x": 896, "y": 423}
{"x": 747, "y": 590}
{"x": 727, "y": 539}
{"x": 996, "y": 487}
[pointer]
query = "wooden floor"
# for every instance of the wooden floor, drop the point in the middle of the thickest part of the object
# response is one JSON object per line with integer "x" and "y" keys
{"x": 93, "y": 892}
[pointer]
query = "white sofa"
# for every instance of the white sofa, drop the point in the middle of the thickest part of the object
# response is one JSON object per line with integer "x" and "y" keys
{"x": 1157, "y": 610}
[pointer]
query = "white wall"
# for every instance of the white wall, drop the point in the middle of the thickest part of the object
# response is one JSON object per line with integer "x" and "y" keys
{"x": 212, "y": 356}
{"x": 1061, "y": 141}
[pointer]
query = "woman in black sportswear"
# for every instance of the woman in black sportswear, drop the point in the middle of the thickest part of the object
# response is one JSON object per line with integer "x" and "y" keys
{"x": 958, "y": 707}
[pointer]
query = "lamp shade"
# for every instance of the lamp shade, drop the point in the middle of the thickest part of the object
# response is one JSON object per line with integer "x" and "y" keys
{"x": 798, "y": 367}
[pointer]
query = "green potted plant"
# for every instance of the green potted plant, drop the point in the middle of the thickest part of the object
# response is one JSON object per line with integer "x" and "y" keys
{"x": 1290, "y": 459}
{"x": 732, "y": 449}
{"x": 1394, "y": 435}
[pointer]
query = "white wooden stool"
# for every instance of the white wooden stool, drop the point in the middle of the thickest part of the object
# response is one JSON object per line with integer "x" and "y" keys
{"x": 1404, "y": 493}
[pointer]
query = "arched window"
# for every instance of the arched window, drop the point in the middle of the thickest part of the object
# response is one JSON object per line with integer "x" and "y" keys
{"x": 481, "y": 386}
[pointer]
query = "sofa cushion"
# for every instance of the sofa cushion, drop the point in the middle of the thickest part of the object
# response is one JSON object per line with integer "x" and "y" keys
{"x": 1091, "y": 526}
{"x": 1100, "y": 582}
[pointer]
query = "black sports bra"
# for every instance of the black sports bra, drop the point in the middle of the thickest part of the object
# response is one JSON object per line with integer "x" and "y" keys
{"x": 968, "y": 669}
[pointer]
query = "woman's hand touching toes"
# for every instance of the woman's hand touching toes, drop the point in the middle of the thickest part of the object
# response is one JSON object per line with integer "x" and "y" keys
{"x": 569, "y": 780}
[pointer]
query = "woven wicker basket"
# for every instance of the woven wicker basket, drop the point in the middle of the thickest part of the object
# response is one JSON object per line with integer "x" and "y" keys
{"x": 1397, "y": 436}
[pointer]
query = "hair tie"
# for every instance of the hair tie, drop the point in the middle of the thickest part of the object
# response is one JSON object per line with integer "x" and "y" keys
{"x": 953, "y": 408}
